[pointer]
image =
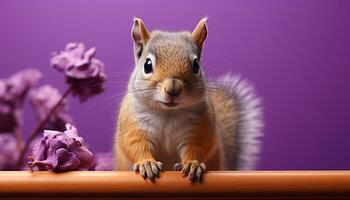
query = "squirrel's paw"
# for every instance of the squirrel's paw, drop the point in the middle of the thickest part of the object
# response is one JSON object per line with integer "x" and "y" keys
{"x": 148, "y": 168}
{"x": 193, "y": 169}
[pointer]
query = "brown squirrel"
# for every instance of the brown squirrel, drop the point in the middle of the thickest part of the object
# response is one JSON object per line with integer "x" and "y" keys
{"x": 171, "y": 117}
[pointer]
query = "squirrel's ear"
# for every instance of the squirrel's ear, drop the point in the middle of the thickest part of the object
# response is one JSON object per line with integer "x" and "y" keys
{"x": 140, "y": 35}
{"x": 200, "y": 32}
{"x": 139, "y": 31}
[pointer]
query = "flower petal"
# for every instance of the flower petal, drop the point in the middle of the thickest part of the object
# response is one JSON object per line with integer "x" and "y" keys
{"x": 83, "y": 71}
{"x": 68, "y": 161}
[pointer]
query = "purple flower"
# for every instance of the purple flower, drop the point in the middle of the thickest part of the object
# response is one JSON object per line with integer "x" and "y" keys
{"x": 83, "y": 72}
{"x": 8, "y": 151}
{"x": 12, "y": 93}
{"x": 43, "y": 100}
{"x": 61, "y": 151}
{"x": 104, "y": 162}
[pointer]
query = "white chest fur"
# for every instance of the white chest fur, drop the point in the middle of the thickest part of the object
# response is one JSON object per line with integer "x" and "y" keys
{"x": 167, "y": 130}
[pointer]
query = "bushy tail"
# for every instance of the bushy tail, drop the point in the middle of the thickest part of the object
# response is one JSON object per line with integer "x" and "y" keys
{"x": 248, "y": 130}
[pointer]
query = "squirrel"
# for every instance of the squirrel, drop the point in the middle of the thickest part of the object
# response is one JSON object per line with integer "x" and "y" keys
{"x": 173, "y": 118}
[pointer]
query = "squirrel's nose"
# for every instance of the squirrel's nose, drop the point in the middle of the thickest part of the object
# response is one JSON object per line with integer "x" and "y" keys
{"x": 173, "y": 87}
{"x": 172, "y": 93}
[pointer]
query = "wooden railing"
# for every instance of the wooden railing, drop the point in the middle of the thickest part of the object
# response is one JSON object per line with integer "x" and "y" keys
{"x": 223, "y": 184}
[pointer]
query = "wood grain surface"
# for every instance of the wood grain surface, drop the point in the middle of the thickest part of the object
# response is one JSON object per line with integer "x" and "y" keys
{"x": 216, "y": 185}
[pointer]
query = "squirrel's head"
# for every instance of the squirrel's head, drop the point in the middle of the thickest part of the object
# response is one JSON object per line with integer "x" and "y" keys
{"x": 168, "y": 72}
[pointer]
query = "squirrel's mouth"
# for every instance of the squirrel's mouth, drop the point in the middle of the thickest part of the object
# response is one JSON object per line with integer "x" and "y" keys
{"x": 169, "y": 104}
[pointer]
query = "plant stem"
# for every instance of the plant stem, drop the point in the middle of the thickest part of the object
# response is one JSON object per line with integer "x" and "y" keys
{"x": 19, "y": 138}
{"x": 40, "y": 127}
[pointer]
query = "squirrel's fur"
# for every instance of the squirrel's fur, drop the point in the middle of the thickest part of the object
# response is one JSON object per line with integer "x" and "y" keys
{"x": 174, "y": 116}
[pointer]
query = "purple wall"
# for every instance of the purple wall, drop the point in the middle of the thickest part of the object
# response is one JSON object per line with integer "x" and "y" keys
{"x": 296, "y": 52}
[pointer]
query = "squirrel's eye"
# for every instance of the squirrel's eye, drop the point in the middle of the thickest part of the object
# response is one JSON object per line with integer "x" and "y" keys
{"x": 195, "y": 66}
{"x": 148, "y": 66}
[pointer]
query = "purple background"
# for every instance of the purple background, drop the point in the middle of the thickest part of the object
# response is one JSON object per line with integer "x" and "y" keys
{"x": 295, "y": 52}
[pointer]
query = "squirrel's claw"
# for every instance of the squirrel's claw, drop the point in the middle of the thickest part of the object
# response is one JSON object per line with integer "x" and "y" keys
{"x": 136, "y": 167}
{"x": 148, "y": 168}
{"x": 178, "y": 166}
{"x": 194, "y": 170}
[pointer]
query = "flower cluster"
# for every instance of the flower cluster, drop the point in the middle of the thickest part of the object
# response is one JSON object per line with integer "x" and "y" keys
{"x": 61, "y": 151}
{"x": 60, "y": 148}
{"x": 8, "y": 151}
{"x": 12, "y": 94}
{"x": 83, "y": 72}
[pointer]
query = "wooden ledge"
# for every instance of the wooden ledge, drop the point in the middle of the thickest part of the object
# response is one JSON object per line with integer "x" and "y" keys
{"x": 223, "y": 184}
